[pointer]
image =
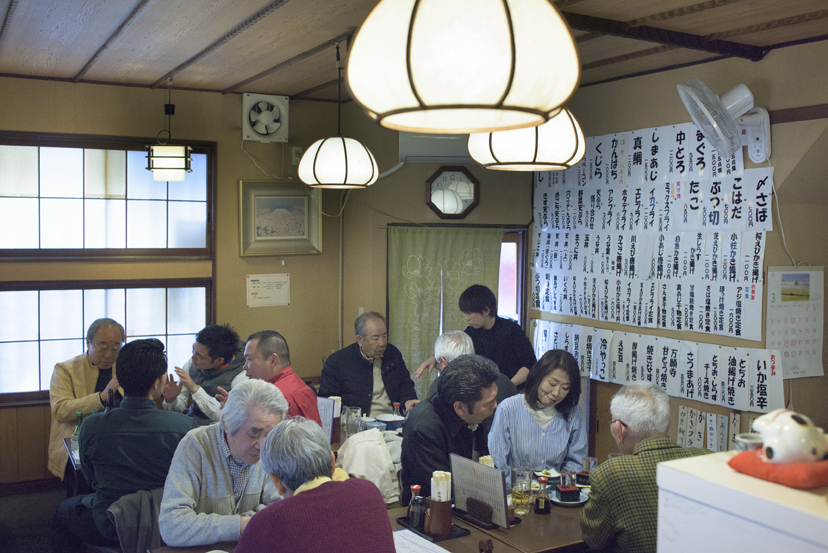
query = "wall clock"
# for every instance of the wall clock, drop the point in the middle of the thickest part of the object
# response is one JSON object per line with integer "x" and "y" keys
{"x": 452, "y": 192}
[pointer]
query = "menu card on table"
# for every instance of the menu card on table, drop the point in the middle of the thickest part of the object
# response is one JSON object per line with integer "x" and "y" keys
{"x": 488, "y": 484}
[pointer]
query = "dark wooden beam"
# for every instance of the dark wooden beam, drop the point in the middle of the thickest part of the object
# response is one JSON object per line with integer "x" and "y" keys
{"x": 6, "y": 20}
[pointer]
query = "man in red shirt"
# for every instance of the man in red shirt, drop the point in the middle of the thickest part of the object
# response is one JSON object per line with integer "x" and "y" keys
{"x": 267, "y": 357}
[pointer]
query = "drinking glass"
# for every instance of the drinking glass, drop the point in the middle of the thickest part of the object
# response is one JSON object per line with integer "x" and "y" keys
{"x": 351, "y": 417}
{"x": 521, "y": 489}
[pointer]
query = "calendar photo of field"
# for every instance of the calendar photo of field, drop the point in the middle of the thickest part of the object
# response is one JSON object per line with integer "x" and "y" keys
{"x": 796, "y": 287}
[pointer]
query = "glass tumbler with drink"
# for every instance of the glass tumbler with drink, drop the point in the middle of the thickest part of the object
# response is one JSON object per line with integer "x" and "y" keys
{"x": 521, "y": 489}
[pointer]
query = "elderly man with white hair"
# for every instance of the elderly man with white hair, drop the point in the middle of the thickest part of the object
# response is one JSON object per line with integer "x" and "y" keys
{"x": 350, "y": 512}
{"x": 451, "y": 345}
{"x": 216, "y": 484}
{"x": 622, "y": 511}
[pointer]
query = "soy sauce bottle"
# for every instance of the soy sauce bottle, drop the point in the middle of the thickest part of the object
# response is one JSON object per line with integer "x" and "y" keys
{"x": 542, "y": 504}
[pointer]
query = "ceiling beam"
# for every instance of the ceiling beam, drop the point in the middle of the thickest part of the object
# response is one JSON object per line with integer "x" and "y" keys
{"x": 663, "y": 36}
{"x": 121, "y": 28}
{"x": 227, "y": 37}
{"x": 288, "y": 63}
{"x": 317, "y": 88}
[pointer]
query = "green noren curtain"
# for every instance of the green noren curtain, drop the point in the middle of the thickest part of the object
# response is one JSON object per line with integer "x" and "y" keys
{"x": 428, "y": 269}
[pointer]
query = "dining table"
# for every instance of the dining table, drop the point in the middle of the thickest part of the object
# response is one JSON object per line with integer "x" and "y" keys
{"x": 78, "y": 483}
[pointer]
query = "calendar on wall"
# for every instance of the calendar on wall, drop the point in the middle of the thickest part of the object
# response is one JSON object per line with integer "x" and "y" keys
{"x": 795, "y": 319}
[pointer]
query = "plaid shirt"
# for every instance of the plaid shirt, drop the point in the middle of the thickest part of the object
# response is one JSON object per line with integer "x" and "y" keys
{"x": 622, "y": 511}
{"x": 238, "y": 470}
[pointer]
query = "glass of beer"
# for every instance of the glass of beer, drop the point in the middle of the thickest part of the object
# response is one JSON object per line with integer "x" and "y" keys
{"x": 521, "y": 489}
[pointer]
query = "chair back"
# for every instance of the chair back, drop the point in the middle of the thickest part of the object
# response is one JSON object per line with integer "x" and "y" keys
{"x": 136, "y": 520}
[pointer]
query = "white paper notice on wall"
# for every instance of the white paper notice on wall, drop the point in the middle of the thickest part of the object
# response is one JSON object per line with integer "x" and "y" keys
{"x": 721, "y": 440}
{"x": 765, "y": 391}
{"x": 733, "y": 429}
{"x": 795, "y": 319}
{"x": 690, "y": 440}
{"x": 268, "y": 290}
{"x": 683, "y": 422}
{"x": 712, "y": 433}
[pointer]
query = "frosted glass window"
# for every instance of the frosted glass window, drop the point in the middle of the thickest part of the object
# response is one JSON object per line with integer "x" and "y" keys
{"x": 146, "y": 224}
{"x": 194, "y": 185}
{"x": 61, "y": 314}
{"x": 105, "y": 223}
{"x": 139, "y": 181}
{"x": 105, "y": 174}
{"x": 54, "y": 352}
{"x": 186, "y": 310}
{"x": 61, "y": 223}
{"x": 18, "y": 171}
{"x": 19, "y": 226}
{"x": 179, "y": 351}
{"x": 61, "y": 172}
{"x": 19, "y": 320}
{"x": 103, "y": 304}
{"x": 146, "y": 311}
{"x": 188, "y": 224}
{"x": 22, "y": 355}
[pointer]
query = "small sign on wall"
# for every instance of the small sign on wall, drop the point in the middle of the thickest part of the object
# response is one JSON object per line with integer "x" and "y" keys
{"x": 268, "y": 290}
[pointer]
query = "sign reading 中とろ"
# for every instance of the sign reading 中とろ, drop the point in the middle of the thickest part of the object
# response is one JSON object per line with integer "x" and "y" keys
{"x": 268, "y": 290}
{"x": 795, "y": 319}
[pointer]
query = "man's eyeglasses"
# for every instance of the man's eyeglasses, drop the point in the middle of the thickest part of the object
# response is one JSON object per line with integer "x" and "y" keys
{"x": 107, "y": 349}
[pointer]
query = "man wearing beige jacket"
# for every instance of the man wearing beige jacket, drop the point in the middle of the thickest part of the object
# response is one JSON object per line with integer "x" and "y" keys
{"x": 82, "y": 384}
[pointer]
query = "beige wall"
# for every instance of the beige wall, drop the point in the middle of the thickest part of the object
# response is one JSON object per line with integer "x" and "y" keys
{"x": 787, "y": 78}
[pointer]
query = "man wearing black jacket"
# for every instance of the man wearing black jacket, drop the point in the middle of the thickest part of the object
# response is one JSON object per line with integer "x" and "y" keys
{"x": 369, "y": 374}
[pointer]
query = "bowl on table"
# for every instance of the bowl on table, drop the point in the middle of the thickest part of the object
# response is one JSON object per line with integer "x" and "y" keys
{"x": 392, "y": 422}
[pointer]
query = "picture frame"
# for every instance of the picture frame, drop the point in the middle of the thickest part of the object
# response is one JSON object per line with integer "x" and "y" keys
{"x": 279, "y": 218}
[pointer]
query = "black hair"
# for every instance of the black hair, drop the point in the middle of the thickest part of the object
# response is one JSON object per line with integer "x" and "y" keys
{"x": 140, "y": 363}
{"x": 464, "y": 378}
{"x": 220, "y": 341}
{"x": 476, "y": 298}
{"x": 551, "y": 360}
{"x": 362, "y": 321}
{"x": 271, "y": 342}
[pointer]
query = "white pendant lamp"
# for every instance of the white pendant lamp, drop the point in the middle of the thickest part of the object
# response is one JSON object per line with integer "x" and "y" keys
{"x": 557, "y": 144}
{"x": 338, "y": 162}
{"x": 463, "y": 66}
{"x": 168, "y": 162}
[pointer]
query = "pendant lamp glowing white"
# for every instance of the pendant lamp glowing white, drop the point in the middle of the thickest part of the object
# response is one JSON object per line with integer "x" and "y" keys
{"x": 168, "y": 162}
{"x": 338, "y": 162}
{"x": 463, "y": 66}
{"x": 557, "y": 144}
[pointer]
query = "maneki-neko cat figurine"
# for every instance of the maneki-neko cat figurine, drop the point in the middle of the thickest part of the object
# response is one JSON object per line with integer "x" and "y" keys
{"x": 790, "y": 437}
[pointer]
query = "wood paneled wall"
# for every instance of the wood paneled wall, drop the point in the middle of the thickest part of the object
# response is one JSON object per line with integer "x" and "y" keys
{"x": 24, "y": 443}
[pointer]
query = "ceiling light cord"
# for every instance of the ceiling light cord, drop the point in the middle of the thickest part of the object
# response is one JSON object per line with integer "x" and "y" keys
{"x": 169, "y": 111}
{"x": 338, "y": 92}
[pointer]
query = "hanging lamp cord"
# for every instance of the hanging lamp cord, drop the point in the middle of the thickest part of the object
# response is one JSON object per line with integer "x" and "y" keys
{"x": 338, "y": 93}
{"x": 169, "y": 111}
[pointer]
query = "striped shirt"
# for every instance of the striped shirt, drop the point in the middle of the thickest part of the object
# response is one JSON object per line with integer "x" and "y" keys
{"x": 238, "y": 470}
{"x": 517, "y": 440}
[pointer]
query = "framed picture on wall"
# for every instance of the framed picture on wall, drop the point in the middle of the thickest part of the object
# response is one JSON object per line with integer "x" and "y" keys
{"x": 279, "y": 218}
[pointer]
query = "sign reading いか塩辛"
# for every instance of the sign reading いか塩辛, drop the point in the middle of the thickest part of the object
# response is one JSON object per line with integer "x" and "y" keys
{"x": 268, "y": 290}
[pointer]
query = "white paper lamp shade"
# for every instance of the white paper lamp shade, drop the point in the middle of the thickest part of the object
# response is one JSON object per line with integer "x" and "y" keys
{"x": 447, "y": 201}
{"x": 463, "y": 66}
{"x": 338, "y": 162}
{"x": 168, "y": 163}
{"x": 557, "y": 144}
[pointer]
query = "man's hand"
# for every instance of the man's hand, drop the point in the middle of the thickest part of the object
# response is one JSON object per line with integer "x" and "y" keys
{"x": 427, "y": 364}
{"x": 171, "y": 389}
{"x": 243, "y": 524}
{"x": 111, "y": 385}
{"x": 222, "y": 396}
{"x": 186, "y": 380}
{"x": 411, "y": 403}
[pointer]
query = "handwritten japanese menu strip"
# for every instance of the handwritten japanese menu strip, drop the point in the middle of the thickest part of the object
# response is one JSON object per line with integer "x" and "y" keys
{"x": 736, "y": 378}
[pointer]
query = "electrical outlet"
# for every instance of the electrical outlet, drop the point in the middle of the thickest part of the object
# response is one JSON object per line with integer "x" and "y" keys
{"x": 296, "y": 152}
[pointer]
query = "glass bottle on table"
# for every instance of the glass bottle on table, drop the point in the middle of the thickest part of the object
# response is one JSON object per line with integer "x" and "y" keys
{"x": 397, "y": 410}
{"x": 416, "y": 508}
{"x": 542, "y": 503}
{"x": 76, "y": 433}
{"x": 110, "y": 401}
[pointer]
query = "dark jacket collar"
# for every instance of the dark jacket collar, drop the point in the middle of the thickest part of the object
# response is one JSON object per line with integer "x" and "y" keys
{"x": 454, "y": 424}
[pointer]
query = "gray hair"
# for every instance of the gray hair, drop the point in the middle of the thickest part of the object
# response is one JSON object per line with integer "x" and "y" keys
{"x": 271, "y": 342}
{"x": 249, "y": 395}
{"x": 464, "y": 379}
{"x": 296, "y": 451}
{"x": 359, "y": 324}
{"x": 452, "y": 344}
{"x": 99, "y": 324}
{"x": 644, "y": 407}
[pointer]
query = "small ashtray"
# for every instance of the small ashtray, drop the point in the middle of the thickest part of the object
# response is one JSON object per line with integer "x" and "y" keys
{"x": 748, "y": 441}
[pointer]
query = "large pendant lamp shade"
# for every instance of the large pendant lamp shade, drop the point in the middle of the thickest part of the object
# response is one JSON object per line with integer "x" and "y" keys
{"x": 338, "y": 162}
{"x": 463, "y": 66}
{"x": 557, "y": 144}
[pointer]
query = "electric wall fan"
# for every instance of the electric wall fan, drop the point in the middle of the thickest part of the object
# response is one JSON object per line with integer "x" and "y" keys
{"x": 728, "y": 121}
{"x": 265, "y": 118}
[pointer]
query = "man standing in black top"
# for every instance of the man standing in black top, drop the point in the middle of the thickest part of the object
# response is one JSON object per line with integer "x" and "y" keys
{"x": 122, "y": 451}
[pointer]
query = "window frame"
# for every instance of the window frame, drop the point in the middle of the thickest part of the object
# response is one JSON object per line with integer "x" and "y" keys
{"x": 104, "y": 142}
{"x": 17, "y": 399}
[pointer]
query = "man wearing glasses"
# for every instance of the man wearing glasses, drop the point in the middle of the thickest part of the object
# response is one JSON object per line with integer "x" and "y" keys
{"x": 82, "y": 384}
{"x": 622, "y": 511}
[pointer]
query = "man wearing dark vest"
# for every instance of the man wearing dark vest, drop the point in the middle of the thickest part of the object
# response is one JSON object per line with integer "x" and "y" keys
{"x": 217, "y": 361}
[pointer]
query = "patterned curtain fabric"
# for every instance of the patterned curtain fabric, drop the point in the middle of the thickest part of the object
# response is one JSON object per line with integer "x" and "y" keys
{"x": 428, "y": 269}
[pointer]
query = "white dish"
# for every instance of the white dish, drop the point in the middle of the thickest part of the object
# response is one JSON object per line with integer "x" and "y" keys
{"x": 548, "y": 473}
{"x": 583, "y": 499}
{"x": 391, "y": 418}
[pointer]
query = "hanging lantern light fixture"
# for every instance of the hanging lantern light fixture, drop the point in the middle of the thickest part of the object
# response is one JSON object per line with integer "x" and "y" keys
{"x": 338, "y": 162}
{"x": 557, "y": 144}
{"x": 166, "y": 161}
{"x": 463, "y": 66}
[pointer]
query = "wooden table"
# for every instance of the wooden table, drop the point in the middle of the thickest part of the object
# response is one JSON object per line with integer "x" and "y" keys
{"x": 465, "y": 544}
